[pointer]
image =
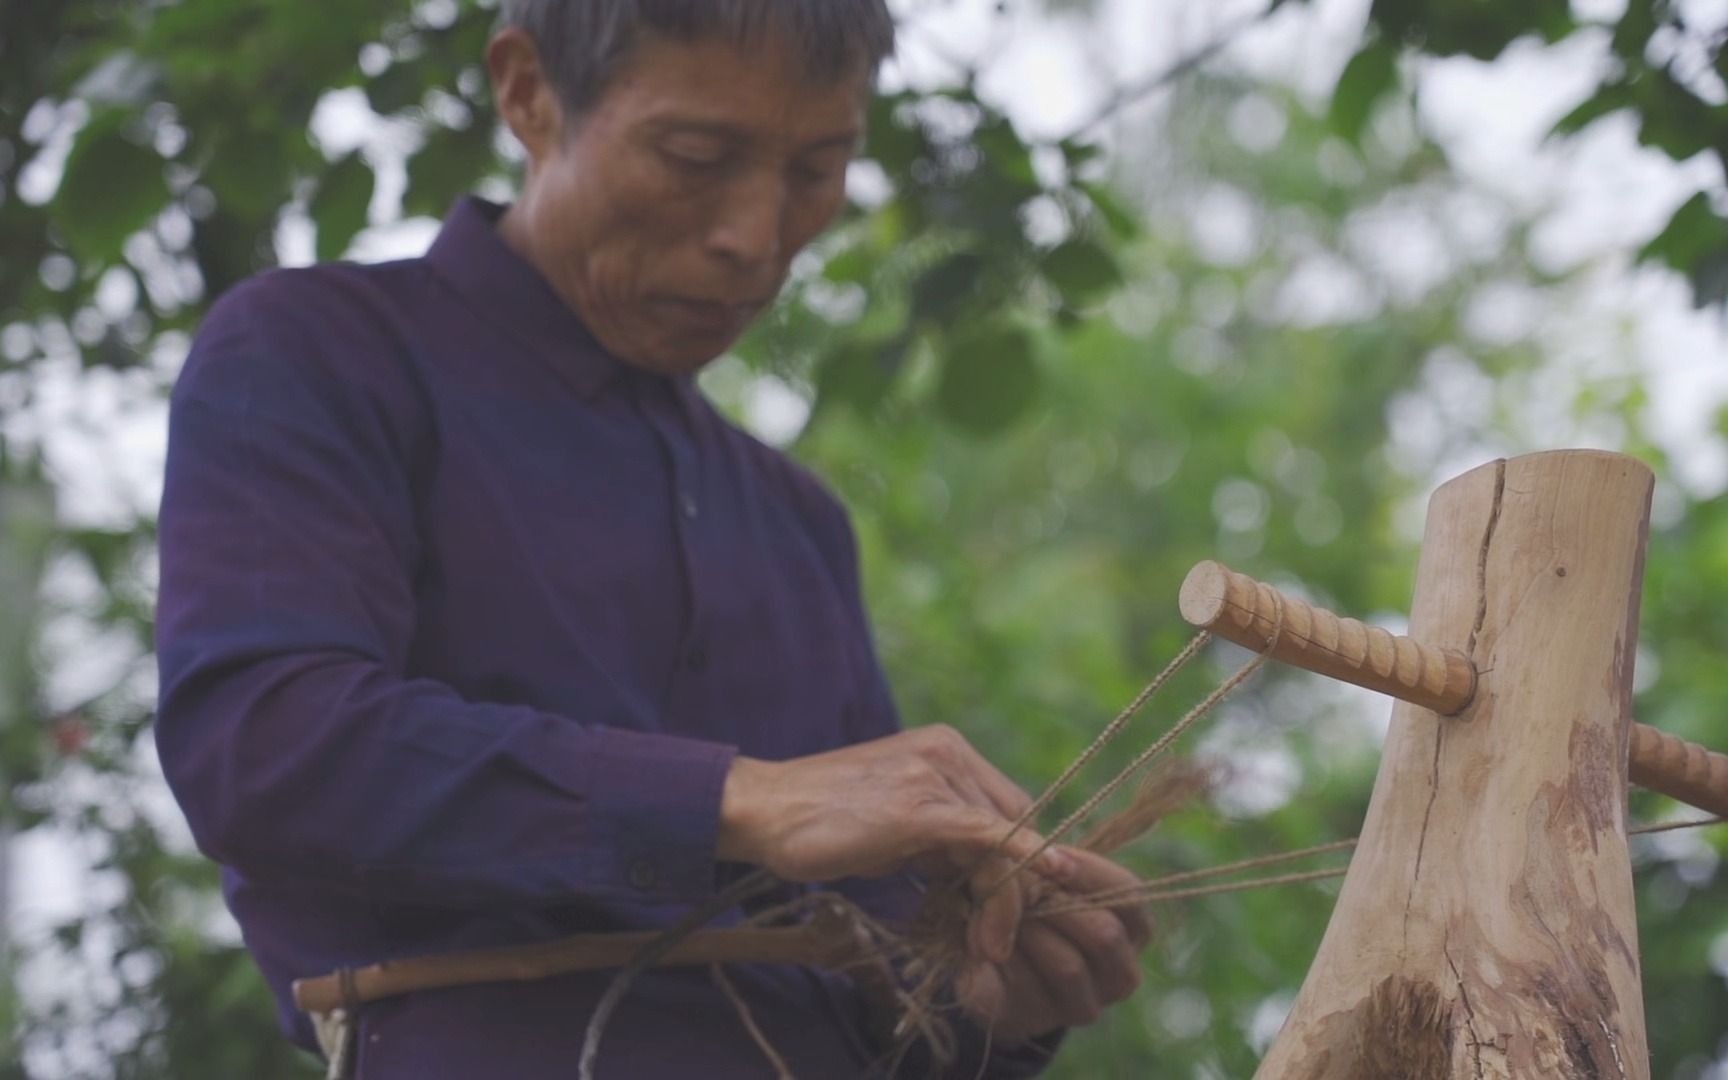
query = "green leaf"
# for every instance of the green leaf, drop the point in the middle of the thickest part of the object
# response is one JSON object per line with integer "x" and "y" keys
{"x": 859, "y": 374}
{"x": 947, "y": 285}
{"x": 894, "y": 140}
{"x": 1006, "y": 151}
{"x": 397, "y": 87}
{"x": 1122, "y": 220}
{"x": 111, "y": 188}
{"x": 1079, "y": 154}
{"x": 1695, "y": 242}
{"x": 340, "y": 206}
{"x": 1633, "y": 32}
{"x": 851, "y": 265}
{"x": 1082, "y": 271}
{"x": 989, "y": 379}
{"x": 1610, "y": 98}
{"x": 1674, "y": 120}
{"x": 1367, "y": 78}
{"x": 448, "y": 165}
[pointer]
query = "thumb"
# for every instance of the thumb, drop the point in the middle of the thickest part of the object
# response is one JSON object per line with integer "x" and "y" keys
{"x": 996, "y": 921}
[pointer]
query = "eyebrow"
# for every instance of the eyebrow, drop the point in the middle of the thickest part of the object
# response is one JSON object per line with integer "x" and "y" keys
{"x": 723, "y": 129}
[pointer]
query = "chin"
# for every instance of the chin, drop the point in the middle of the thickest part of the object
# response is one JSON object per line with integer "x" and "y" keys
{"x": 686, "y": 354}
{"x": 686, "y": 361}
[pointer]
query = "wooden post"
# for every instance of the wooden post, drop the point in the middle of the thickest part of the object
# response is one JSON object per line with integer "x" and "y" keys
{"x": 1486, "y": 926}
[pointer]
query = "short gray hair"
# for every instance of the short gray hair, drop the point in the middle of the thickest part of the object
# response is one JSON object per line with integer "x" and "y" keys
{"x": 583, "y": 43}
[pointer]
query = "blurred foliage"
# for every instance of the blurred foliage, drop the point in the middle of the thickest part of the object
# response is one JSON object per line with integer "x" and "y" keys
{"x": 1045, "y": 380}
{"x": 1666, "y": 67}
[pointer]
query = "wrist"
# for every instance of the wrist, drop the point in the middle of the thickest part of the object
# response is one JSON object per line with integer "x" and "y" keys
{"x": 743, "y": 823}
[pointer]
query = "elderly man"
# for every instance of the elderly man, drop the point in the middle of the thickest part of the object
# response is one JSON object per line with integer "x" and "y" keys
{"x": 479, "y": 626}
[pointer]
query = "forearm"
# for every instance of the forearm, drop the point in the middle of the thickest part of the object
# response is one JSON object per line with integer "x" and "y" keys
{"x": 328, "y": 770}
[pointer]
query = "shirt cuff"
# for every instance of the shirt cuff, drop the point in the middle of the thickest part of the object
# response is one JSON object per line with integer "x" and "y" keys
{"x": 654, "y": 813}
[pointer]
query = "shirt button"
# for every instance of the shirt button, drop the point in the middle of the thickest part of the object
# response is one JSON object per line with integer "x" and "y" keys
{"x": 687, "y": 505}
{"x": 642, "y": 875}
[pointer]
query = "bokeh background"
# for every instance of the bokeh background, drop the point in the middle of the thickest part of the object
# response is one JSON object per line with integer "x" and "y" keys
{"x": 1124, "y": 284}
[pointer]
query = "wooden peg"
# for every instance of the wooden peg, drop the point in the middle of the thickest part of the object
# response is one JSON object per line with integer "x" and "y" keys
{"x": 1679, "y": 769}
{"x": 1238, "y": 608}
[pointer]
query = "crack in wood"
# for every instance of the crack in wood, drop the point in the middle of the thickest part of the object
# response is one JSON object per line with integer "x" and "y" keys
{"x": 1482, "y": 557}
{"x": 1469, "y": 1011}
{"x": 1614, "y": 1045}
{"x": 1422, "y": 837}
{"x": 1470, "y": 651}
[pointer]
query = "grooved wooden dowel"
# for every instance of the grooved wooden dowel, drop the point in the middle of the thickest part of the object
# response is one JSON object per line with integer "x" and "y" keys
{"x": 1679, "y": 769}
{"x": 1244, "y": 610}
{"x": 1237, "y": 608}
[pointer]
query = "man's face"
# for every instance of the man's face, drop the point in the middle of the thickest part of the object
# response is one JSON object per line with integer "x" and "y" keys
{"x": 668, "y": 214}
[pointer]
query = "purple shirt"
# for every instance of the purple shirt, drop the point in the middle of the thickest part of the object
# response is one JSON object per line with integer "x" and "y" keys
{"x": 461, "y": 624}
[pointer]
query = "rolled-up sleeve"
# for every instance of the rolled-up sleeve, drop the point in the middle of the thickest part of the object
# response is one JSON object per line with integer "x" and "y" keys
{"x": 289, "y": 727}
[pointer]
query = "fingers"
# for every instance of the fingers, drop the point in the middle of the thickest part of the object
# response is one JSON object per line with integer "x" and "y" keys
{"x": 1011, "y": 1001}
{"x": 1066, "y": 977}
{"x": 1101, "y": 941}
{"x": 1086, "y": 874}
{"x": 1046, "y": 986}
{"x": 968, "y": 831}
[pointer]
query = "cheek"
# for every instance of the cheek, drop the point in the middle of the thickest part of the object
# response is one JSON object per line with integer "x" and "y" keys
{"x": 809, "y": 215}
{"x": 643, "y": 232}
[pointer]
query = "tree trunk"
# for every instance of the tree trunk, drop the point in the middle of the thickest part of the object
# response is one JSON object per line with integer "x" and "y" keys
{"x": 1486, "y": 927}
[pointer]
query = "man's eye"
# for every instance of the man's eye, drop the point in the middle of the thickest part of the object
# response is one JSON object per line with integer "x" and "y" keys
{"x": 815, "y": 174}
{"x": 692, "y": 160}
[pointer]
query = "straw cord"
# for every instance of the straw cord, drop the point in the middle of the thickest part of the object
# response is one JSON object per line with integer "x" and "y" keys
{"x": 1128, "y": 896}
{"x": 1671, "y": 826}
{"x": 1132, "y": 892}
{"x": 1111, "y": 730}
{"x": 1158, "y": 890}
{"x": 1151, "y": 753}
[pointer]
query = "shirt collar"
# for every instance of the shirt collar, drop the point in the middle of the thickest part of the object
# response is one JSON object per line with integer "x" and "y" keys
{"x": 506, "y": 289}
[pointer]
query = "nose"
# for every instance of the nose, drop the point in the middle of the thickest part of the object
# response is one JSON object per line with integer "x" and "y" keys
{"x": 748, "y": 226}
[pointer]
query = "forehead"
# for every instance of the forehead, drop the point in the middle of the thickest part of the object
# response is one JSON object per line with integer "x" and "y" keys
{"x": 763, "y": 86}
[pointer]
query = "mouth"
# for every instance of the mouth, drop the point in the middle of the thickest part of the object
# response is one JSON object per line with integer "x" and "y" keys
{"x": 714, "y": 315}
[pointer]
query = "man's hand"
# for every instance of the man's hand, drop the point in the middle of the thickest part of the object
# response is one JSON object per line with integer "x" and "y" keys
{"x": 922, "y": 798}
{"x": 1066, "y": 968}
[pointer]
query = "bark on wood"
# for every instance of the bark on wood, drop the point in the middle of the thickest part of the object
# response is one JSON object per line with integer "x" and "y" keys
{"x": 1486, "y": 927}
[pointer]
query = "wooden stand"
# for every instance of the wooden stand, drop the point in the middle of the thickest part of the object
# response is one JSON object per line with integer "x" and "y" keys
{"x": 1486, "y": 926}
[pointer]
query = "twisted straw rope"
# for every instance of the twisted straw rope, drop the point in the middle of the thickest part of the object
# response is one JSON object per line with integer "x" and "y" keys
{"x": 1156, "y": 890}
{"x": 1151, "y": 753}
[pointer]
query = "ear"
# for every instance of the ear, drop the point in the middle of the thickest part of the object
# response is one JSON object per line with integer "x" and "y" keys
{"x": 523, "y": 94}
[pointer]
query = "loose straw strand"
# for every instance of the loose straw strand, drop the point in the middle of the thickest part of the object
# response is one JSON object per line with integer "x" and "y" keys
{"x": 1148, "y": 755}
{"x": 1111, "y": 730}
{"x": 752, "y": 884}
{"x": 782, "y": 1071}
